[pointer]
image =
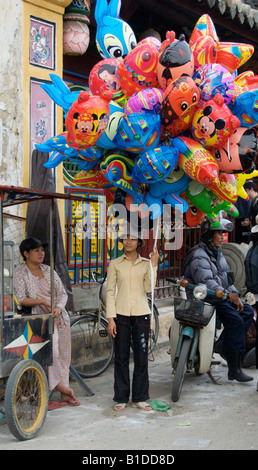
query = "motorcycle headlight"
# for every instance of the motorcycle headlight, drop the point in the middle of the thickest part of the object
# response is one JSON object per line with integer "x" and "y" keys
{"x": 200, "y": 292}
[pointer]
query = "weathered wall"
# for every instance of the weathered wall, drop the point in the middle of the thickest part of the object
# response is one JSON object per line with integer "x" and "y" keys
{"x": 11, "y": 113}
{"x": 11, "y": 93}
{"x": 15, "y": 120}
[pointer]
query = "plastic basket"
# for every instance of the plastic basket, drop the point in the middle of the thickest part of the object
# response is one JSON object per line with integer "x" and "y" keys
{"x": 193, "y": 311}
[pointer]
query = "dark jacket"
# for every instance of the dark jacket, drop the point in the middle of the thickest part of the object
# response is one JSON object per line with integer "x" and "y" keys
{"x": 251, "y": 268}
{"x": 202, "y": 265}
{"x": 254, "y": 210}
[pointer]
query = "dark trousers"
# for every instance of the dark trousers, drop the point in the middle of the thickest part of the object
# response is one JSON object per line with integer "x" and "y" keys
{"x": 135, "y": 331}
{"x": 240, "y": 232}
{"x": 256, "y": 341}
{"x": 235, "y": 324}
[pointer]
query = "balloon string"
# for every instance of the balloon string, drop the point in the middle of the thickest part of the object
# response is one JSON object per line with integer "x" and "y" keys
{"x": 156, "y": 236}
{"x": 152, "y": 272}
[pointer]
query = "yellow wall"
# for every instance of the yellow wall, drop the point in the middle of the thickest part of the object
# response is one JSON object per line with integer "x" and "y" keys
{"x": 49, "y": 10}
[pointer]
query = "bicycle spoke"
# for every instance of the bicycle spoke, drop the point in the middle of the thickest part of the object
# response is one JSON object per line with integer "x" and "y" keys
{"x": 92, "y": 347}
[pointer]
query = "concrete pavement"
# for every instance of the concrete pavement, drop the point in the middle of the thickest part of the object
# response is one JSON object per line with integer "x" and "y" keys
{"x": 207, "y": 416}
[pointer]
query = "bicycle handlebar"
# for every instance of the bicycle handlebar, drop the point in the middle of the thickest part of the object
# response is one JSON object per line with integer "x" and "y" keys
{"x": 101, "y": 281}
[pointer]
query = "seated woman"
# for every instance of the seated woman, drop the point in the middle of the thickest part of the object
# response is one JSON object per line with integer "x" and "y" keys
{"x": 32, "y": 289}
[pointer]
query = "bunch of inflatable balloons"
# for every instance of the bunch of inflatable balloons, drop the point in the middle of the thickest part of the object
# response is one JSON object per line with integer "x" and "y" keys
{"x": 169, "y": 122}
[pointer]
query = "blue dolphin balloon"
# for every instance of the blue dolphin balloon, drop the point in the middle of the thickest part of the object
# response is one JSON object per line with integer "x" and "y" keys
{"x": 86, "y": 159}
{"x": 168, "y": 191}
{"x": 60, "y": 93}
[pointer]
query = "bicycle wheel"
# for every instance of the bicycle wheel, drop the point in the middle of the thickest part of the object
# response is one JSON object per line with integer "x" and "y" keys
{"x": 92, "y": 346}
{"x": 26, "y": 399}
{"x": 154, "y": 329}
{"x": 181, "y": 368}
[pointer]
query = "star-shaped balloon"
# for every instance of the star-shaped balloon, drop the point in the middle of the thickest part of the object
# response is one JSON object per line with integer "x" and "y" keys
{"x": 207, "y": 48}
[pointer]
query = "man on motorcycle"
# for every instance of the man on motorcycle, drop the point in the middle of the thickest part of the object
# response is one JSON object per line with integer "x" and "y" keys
{"x": 205, "y": 264}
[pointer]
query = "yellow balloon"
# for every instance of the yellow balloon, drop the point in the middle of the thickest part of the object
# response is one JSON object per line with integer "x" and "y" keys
{"x": 240, "y": 181}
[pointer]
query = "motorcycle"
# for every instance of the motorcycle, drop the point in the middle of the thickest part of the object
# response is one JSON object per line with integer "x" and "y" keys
{"x": 192, "y": 333}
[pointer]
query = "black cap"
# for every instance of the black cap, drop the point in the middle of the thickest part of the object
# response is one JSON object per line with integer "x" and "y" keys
{"x": 249, "y": 185}
{"x": 30, "y": 244}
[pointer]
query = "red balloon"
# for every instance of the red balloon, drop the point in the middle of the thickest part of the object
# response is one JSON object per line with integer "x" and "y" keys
{"x": 139, "y": 68}
{"x": 86, "y": 120}
{"x": 213, "y": 122}
{"x": 104, "y": 76}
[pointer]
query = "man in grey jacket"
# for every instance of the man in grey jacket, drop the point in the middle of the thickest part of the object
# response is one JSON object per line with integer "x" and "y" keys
{"x": 206, "y": 264}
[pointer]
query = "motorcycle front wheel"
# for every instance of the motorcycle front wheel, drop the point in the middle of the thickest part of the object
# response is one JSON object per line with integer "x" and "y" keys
{"x": 181, "y": 368}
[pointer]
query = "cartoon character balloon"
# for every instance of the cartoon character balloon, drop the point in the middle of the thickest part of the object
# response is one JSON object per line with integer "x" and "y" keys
{"x": 144, "y": 101}
{"x": 116, "y": 115}
{"x": 138, "y": 70}
{"x": 212, "y": 79}
{"x": 86, "y": 120}
{"x": 114, "y": 37}
{"x": 103, "y": 76}
{"x": 213, "y": 123}
{"x": 175, "y": 59}
{"x": 238, "y": 154}
{"x": 179, "y": 99}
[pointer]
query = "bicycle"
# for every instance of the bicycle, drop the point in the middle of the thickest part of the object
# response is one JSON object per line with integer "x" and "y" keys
{"x": 92, "y": 346}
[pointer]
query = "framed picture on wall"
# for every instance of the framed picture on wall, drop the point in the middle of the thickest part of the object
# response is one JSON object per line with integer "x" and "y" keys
{"x": 42, "y": 114}
{"x": 42, "y": 43}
